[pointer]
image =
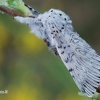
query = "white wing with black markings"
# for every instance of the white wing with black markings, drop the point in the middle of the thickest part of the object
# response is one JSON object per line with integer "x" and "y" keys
{"x": 80, "y": 59}
{"x": 83, "y": 63}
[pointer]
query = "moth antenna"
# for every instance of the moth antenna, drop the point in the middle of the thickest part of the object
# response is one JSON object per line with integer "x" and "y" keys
{"x": 33, "y": 11}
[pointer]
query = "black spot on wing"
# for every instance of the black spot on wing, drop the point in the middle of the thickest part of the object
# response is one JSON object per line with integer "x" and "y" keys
{"x": 64, "y": 47}
{"x": 66, "y": 60}
{"x": 62, "y": 52}
{"x": 51, "y": 10}
{"x": 62, "y": 28}
{"x": 56, "y": 31}
{"x": 60, "y": 46}
{"x": 39, "y": 19}
{"x": 73, "y": 76}
{"x": 68, "y": 45}
{"x": 60, "y": 14}
{"x": 65, "y": 19}
{"x": 70, "y": 70}
{"x": 55, "y": 34}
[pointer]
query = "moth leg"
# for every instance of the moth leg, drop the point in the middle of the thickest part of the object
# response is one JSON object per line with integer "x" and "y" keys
{"x": 46, "y": 41}
{"x": 51, "y": 47}
{"x": 98, "y": 89}
{"x": 55, "y": 51}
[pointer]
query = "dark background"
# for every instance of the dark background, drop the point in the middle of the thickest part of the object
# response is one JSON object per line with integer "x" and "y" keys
{"x": 28, "y": 70}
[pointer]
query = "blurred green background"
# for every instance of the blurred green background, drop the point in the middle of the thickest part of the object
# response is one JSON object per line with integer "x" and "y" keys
{"x": 28, "y": 70}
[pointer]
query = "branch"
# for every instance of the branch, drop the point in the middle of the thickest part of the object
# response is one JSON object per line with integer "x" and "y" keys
{"x": 9, "y": 12}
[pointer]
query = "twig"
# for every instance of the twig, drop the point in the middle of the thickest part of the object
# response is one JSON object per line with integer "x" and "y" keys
{"x": 9, "y": 12}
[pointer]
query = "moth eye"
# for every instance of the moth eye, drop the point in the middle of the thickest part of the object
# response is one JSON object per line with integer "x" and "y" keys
{"x": 49, "y": 16}
{"x": 51, "y": 33}
{"x": 51, "y": 10}
{"x": 53, "y": 27}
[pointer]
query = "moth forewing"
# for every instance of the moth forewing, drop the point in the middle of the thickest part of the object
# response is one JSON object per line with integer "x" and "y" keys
{"x": 55, "y": 28}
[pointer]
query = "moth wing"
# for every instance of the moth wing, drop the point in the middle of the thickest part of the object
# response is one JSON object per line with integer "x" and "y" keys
{"x": 80, "y": 59}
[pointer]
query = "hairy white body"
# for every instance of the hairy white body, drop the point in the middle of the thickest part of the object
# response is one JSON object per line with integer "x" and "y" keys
{"x": 80, "y": 59}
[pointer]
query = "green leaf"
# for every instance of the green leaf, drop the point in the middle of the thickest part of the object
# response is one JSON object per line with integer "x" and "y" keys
{"x": 96, "y": 95}
{"x": 16, "y": 5}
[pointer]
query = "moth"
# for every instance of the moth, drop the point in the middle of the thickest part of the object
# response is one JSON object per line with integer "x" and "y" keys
{"x": 55, "y": 28}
